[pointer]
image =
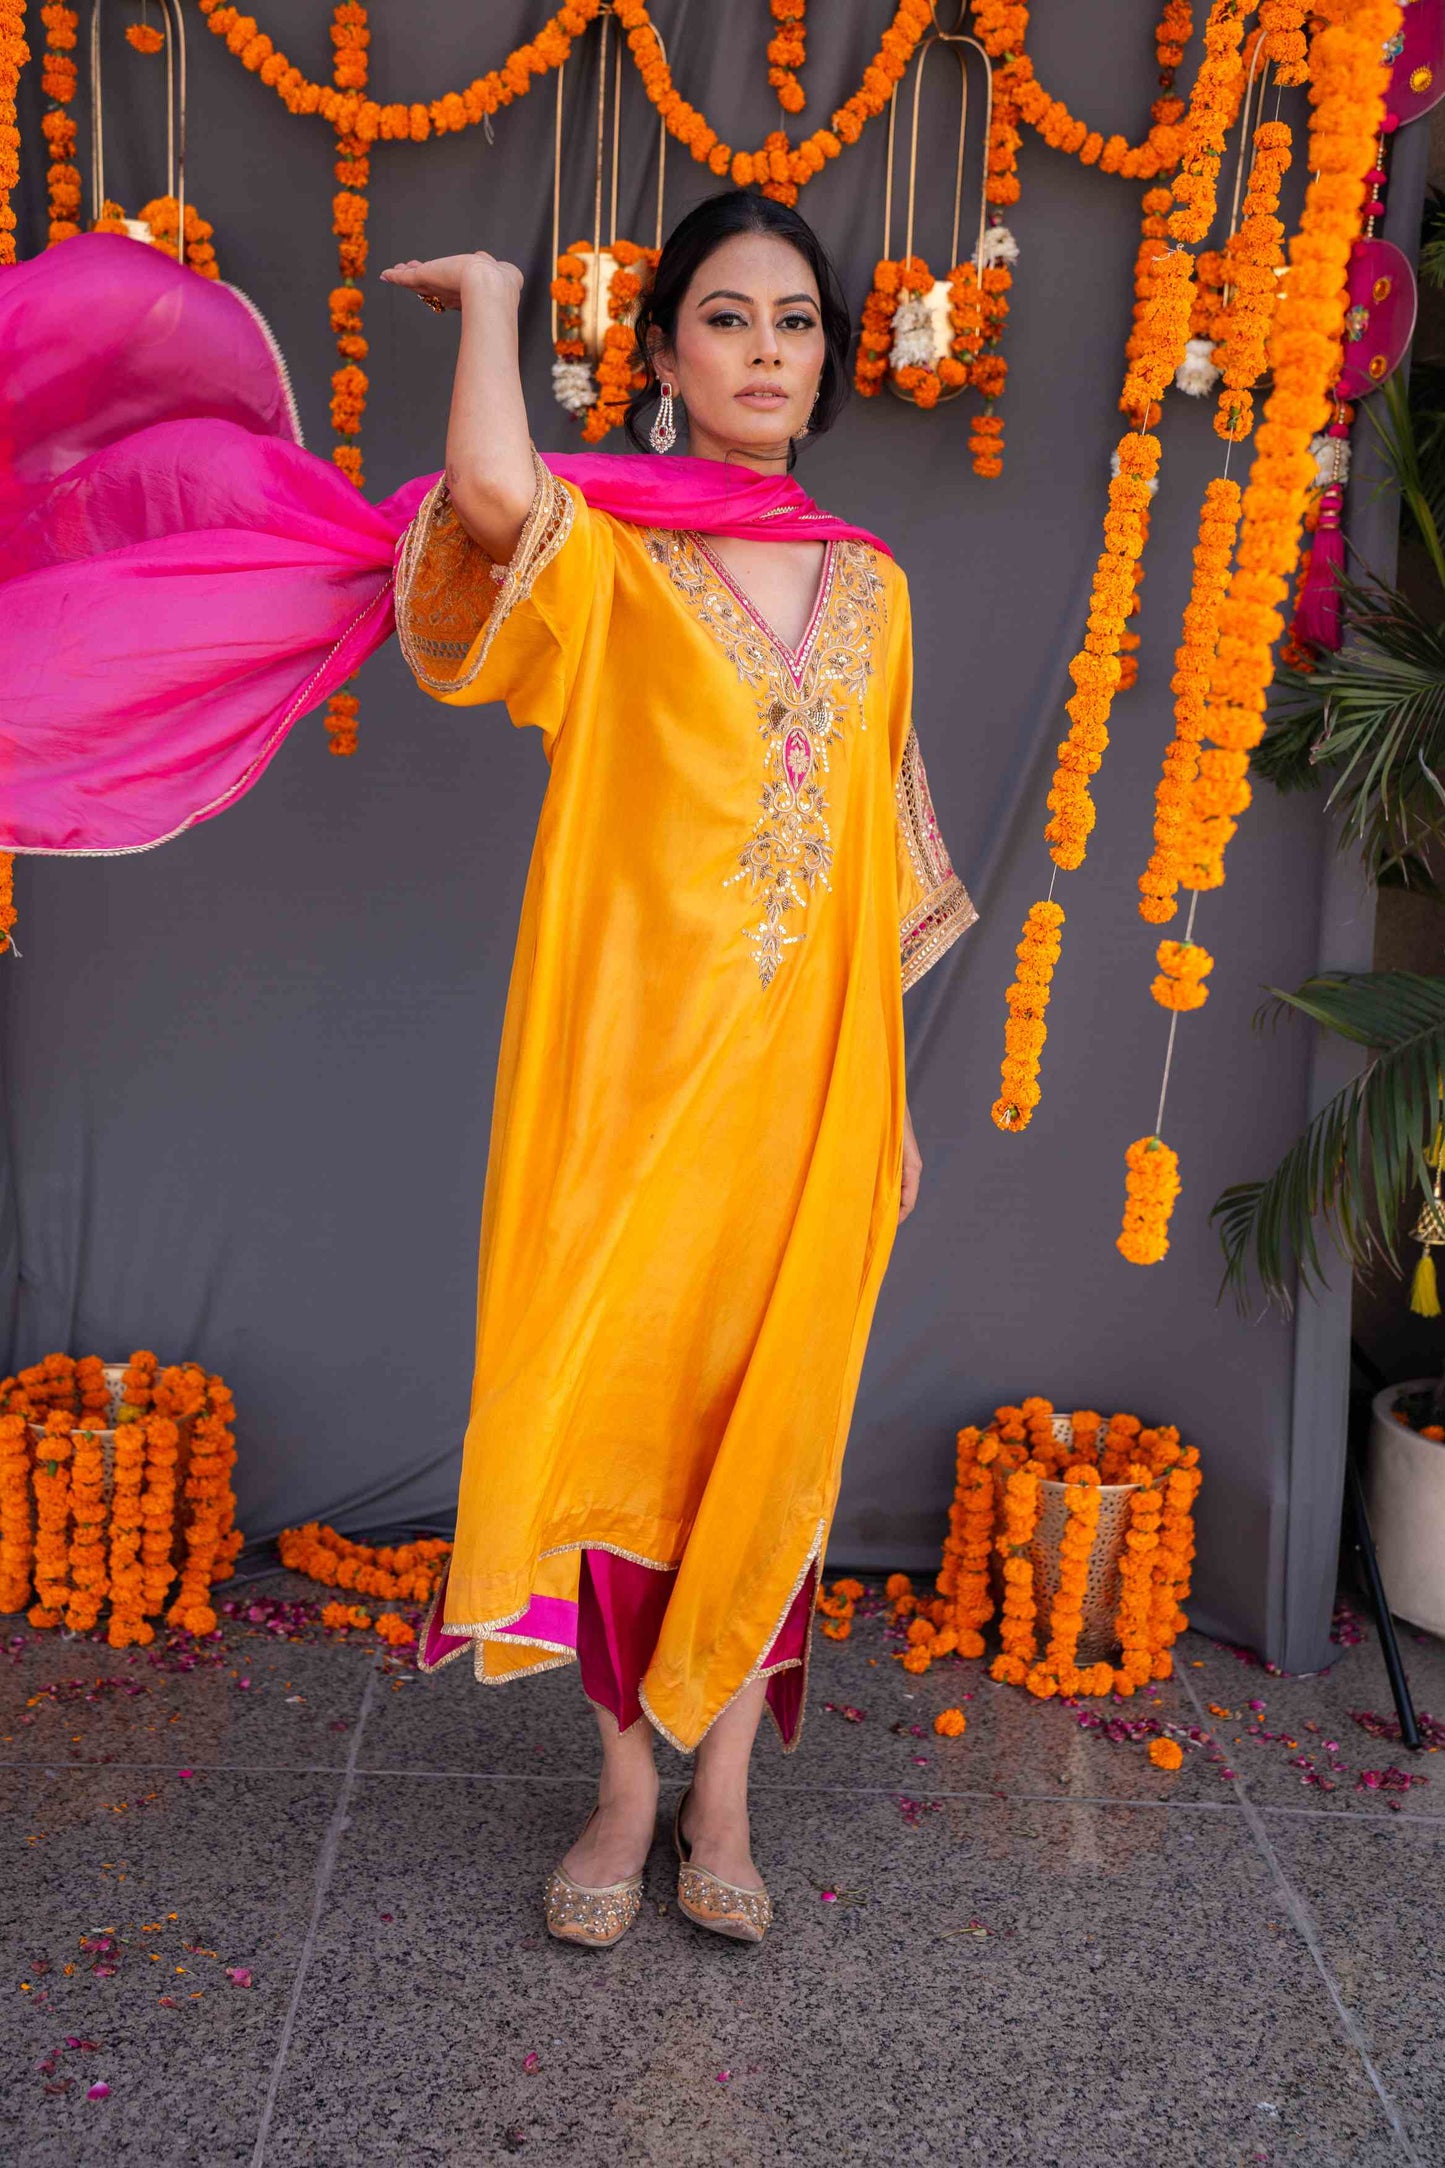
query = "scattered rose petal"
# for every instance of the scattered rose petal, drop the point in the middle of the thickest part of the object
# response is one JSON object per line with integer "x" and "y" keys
{"x": 723, "y": 2076}
{"x": 530, "y": 2061}
{"x": 99, "y": 2091}
{"x": 240, "y": 1974}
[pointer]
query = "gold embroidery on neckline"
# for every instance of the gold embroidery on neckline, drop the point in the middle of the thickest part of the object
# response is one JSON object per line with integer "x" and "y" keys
{"x": 803, "y": 698}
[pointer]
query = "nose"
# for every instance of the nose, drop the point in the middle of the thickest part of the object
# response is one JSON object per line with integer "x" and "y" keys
{"x": 767, "y": 347}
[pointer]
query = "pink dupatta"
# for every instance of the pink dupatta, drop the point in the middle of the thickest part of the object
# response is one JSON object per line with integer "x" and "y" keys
{"x": 180, "y": 580}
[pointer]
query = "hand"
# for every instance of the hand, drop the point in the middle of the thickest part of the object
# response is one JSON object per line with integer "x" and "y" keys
{"x": 444, "y": 277}
{"x": 912, "y": 1169}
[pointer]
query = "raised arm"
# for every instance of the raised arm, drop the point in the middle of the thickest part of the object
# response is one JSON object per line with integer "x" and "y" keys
{"x": 490, "y": 477}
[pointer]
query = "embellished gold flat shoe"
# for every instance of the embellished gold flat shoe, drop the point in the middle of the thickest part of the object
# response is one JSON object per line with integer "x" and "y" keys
{"x": 744, "y": 1914}
{"x": 594, "y": 1917}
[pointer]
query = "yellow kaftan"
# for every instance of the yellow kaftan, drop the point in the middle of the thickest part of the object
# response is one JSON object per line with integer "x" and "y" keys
{"x": 697, "y": 1132}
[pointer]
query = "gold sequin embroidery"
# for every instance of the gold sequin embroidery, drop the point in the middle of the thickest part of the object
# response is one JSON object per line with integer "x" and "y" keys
{"x": 448, "y": 590}
{"x": 803, "y": 697}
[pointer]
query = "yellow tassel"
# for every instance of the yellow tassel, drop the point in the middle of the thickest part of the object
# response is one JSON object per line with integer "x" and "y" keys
{"x": 1424, "y": 1294}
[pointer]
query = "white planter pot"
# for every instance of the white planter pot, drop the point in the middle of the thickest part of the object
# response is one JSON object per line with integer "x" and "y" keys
{"x": 1405, "y": 1496}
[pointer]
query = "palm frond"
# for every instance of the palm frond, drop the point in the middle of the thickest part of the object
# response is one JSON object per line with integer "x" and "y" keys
{"x": 1363, "y": 1155}
{"x": 1374, "y": 714}
{"x": 1432, "y": 239}
{"x": 1412, "y": 435}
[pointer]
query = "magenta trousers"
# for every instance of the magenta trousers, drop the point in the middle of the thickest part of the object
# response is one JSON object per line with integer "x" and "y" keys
{"x": 613, "y": 1627}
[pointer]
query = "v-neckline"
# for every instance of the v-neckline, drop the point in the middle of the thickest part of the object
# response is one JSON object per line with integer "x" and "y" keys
{"x": 794, "y": 659}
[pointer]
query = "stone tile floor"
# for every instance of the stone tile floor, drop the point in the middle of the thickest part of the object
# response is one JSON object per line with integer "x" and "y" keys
{"x": 280, "y": 1893}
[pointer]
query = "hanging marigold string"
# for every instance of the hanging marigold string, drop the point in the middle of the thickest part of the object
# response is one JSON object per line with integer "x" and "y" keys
{"x": 350, "y": 38}
{"x": 1026, "y": 1029}
{"x": 1173, "y": 862}
{"x": 1183, "y": 968}
{"x": 1251, "y": 257}
{"x": 1152, "y": 1185}
{"x": 787, "y": 50}
{"x": 1349, "y": 78}
{"x": 14, "y": 52}
{"x": 144, "y": 37}
{"x": 1213, "y": 105}
{"x": 1239, "y": 323}
{"x": 57, "y": 124}
{"x": 1285, "y": 43}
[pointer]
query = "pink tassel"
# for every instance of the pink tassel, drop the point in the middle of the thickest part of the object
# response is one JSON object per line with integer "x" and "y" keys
{"x": 1317, "y": 605}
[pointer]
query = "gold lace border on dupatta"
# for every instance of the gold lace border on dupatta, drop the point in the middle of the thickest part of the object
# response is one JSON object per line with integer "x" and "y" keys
{"x": 448, "y": 590}
{"x": 946, "y": 909}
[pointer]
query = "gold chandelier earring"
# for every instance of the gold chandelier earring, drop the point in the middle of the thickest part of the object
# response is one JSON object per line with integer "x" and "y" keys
{"x": 663, "y": 433}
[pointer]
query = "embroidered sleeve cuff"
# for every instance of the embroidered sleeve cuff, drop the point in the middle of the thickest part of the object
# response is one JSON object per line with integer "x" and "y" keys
{"x": 452, "y": 599}
{"x": 934, "y": 927}
{"x": 934, "y": 906}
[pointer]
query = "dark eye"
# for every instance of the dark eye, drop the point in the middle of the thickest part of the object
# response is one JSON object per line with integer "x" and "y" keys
{"x": 724, "y": 316}
{"x": 801, "y": 322}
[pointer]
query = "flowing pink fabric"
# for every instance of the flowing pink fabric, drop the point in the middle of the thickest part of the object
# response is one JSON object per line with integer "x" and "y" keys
{"x": 180, "y": 579}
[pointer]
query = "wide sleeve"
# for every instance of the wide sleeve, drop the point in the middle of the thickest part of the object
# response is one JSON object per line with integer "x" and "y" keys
{"x": 934, "y": 907}
{"x": 473, "y": 630}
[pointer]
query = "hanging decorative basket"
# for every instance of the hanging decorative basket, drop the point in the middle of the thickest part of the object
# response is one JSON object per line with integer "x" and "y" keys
{"x": 167, "y": 222}
{"x": 596, "y": 287}
{"x": 928, "y": 338}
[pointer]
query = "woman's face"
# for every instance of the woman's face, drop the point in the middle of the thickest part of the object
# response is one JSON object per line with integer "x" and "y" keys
{"x": 749, "y": 347}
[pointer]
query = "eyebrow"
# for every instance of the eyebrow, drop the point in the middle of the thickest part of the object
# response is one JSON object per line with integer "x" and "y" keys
{"x": 725, "y": 293}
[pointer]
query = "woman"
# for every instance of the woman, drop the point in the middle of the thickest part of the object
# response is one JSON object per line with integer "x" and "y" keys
{"x": 700, "y": 1146}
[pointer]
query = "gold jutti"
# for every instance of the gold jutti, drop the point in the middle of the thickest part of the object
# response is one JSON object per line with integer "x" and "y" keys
{"x": 696, "y": 1145}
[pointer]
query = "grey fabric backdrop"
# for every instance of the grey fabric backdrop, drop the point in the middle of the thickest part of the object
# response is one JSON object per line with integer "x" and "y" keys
{"x": 247, "y": 1079}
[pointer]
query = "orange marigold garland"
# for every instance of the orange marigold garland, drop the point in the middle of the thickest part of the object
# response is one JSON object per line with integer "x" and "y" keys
{"x": 350, "y": 38}
{"x": 996, "y": 1499}
{"x": 1095, "y": 670}
{"x": 1020, "y": 1514}
{"x": 1251, "y": 256}
{"x": 780, "y": 168}
{"x": 1183, "y": 967}
{"x": 1285, "y": 43}
{"x": 1172, "y": 861}
{"x": 1213, "y": 104}
{"x": 1348, "y": 78}
{"x": 144, "y": 37}
{"x": 57, "y": 125}
{"x": 1152, "y": 1185}
{"x": 1026, "y": 1030}
{"x": 7, "y": 899}
{"x": 406, "y": 1572}
{"x": 51, "y": 1482}
{"x": 787, "y": 50}
{"x": 14, "y": 52}
{"x": 84, "y": 1547}
{"x": 1002, "y": 27}
{"x": 162, "y": 215}
{"x": 17, "y": 1534}
{"x": 346, "y": 110}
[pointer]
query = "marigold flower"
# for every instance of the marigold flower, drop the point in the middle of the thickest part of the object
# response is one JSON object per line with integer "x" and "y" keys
{"x": 950, "y": 1723}
{"x": 1165, "y": 1753}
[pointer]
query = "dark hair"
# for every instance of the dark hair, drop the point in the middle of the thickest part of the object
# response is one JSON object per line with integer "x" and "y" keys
{"x": 692, "y": 240}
